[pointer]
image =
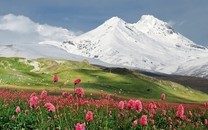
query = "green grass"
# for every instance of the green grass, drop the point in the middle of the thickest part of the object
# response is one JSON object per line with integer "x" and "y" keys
{"x": 18, "y": 73}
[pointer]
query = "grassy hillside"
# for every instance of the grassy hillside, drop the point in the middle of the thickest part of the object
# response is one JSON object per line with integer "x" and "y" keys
{"x": 31, "y": 75}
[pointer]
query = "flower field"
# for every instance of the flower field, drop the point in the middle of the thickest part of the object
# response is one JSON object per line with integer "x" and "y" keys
{"x": 50, "y": 98}
{"x": 22, "y": 110}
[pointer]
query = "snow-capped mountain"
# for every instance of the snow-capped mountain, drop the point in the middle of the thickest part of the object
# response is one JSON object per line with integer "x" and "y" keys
{"x": 150, "y": 44}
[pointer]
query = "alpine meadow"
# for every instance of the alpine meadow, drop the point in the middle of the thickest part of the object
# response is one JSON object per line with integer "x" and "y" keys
{"x": 103, "y": 65}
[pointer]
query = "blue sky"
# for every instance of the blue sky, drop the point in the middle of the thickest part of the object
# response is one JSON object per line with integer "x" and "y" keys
{"x": 189, "y": 17}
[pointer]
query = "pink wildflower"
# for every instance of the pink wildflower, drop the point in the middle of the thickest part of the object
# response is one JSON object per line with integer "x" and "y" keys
{"x": 50, "y": 107}
{"x": 143, "y": 120}
{"x": 131, "y": 104}
{"x": 163, "y": 112}
{"x": 89, "y": 116}
{"x": 150, "y": 106}
{"x": 121, "y": 105}
{"x": 80, "y": 126}
{"x": 163, "y": 96}
{"x": 135, "y": 123}
{"x": 64, "y": 94}
{"x": 43, "y": 94}
{"x": 18, "y": 110}
{"x": 77, "y": 81}
{"x": 33, "y": 101}
{"x": 180, "y": 111}
{"x": 79, "y": 91}
{"x": 107, "y": 96}
{"x": 13, "y": 117}
{"x": 205, "y": 122}
{"x": 55, "y": 78}
{"x": 138, "y": 106}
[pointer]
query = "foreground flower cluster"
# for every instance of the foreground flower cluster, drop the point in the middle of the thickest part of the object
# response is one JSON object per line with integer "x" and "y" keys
{"x": 20, "y": 110}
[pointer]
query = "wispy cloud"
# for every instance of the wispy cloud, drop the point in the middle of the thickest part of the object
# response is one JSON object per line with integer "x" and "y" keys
{"x": 21, "y": 29}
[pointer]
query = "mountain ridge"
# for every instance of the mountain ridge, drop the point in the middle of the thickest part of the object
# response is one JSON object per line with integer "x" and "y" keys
{"x": 132, "y": 45}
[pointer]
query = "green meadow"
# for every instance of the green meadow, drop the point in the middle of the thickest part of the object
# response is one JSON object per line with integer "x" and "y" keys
{"x": 20, "y": 74}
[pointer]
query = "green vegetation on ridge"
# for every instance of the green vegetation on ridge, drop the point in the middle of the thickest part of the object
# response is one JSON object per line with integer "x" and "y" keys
{"x": 37, "y": 74}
